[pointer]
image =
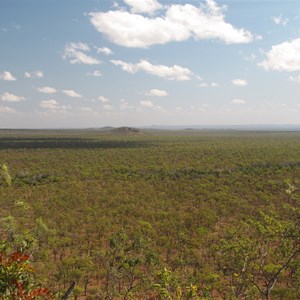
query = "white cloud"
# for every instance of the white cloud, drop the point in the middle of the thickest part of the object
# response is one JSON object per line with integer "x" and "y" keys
{"x": 49, "y": 104}
{"x": 133, "y": 30}
{"x": 76, "y": 53}
{"x": 7, "y": 76}
{"x": 105, "y": 51}
{"x": 7, "y": 97}
{"x": 5, "y": 109}
{"x": 147, "y": 103}
{"x": 208, "y": 23}
{"x": 128, "y": 67}
{"x": 280, "y": 20}
{"x": 47, "y": 90}
{"x": 157, "y": 93}
{"x": 38, "y": 74}
{"x": 145, "y": 6}
{"x": 34, "y": 74}
{"x": 171, "y": 73}
{"x": 179, "y": 23}
{"x": 72, "y": 94}
{"x": 54, "y": 107}
{"x": 283, "y": 57}
{"x": 238, "y": 101}
{"x": 240, "y": 82}
{"x": 295, "y": 79}
{"x": 103, "y": 99}
{"x": 213, "y": 84}
{"x": 95, "y": 73}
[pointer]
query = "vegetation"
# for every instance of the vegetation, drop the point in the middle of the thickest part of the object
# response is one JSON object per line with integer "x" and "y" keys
{"x": 154, "y": 215}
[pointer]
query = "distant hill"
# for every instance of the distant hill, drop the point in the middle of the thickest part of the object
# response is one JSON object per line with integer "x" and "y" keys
{"x": 125, "y": 131}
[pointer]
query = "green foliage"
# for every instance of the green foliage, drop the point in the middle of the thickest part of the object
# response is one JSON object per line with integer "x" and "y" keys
{"x": 5, "y": 175}
{"x": 167, "y": 286}
{"x": 16, "y": 279}
{"x": 255, "y": 256}
{"x": 111, "y": 212}
{"x": 129, "y": 265}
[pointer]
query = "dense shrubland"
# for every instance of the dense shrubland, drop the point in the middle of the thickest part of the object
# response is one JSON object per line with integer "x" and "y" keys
{"x": 193, "y": 215}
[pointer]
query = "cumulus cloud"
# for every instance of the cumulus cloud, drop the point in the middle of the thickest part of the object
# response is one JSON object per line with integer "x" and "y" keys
{"x": 7, "y": 97}
{"x": 95, "y": 73}
{"x": 46, "y": 90}
{"x": 34, "y": 74}
{"x": 157, "y": 93}
{"x": 238, "y": 101}
{"x": 49, "y": 104}
{"x": 213, "y": 84}
{"x": 295, "y": 79}
{"x": 171, "y": 73}
{"x": 7, "y": 76}
{"x": 240, "y": 82}
{"x": 76, "y": 54}
{"x": 145, "y": 6}
{"x": 105, "y": 51}
{"x": 283, "y": 57}
{"x": 72, "y": 94}
{"x": 280, "y": 20}
{"x": 103, "y": 99}
{"x": 147, "y": 103}
{"x": 179, "y": 23}
{"x": 6, "y": 109}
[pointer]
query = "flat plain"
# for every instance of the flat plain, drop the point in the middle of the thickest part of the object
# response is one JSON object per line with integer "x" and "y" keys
{"x": 156, "y": 214}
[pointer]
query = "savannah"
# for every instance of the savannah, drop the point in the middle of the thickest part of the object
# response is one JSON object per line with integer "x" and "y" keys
{"x": 127, "y": 213}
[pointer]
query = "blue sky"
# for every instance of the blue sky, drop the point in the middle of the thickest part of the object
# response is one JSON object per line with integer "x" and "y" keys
{"x": 79, "y": 64}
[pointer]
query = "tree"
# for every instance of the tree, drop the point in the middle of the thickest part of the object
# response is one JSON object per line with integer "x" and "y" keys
{"x": 255, "y": 255}
{"x": 5, "y": 175}
{"x": 16, "y": 274}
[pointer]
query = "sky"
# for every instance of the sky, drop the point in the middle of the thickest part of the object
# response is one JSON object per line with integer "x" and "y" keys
{"x": 94, "y": 63}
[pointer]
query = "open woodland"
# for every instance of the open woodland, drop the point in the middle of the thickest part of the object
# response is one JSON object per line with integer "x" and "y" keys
{"x": 152, "y": 214}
